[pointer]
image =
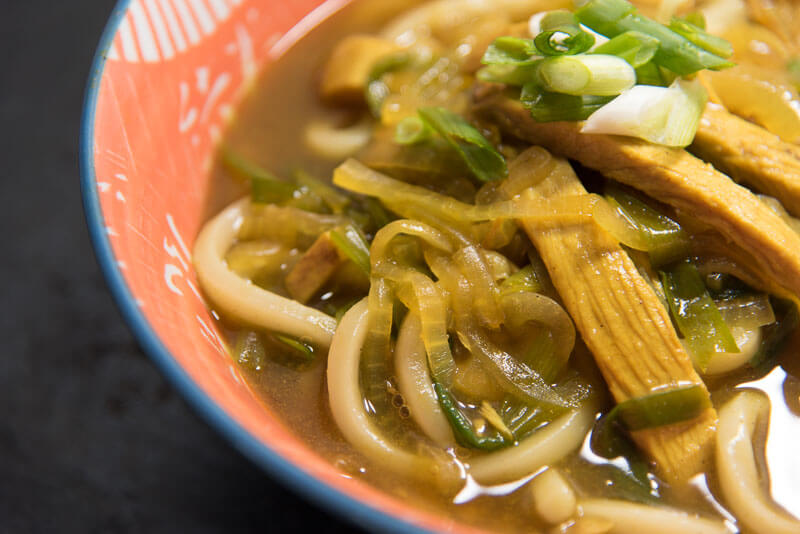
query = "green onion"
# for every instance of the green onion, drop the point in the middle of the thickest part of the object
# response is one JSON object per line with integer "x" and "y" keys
{"x": 336, "y": 200}
{"x": 586, "y": 74}
{"x": 376, "y": 90}
{"x": 522, "y": 280}
{"x": 695, "y": 314}
{"x": 666, "y": 239}
{"x": 662, "y": 408}
{"x": 634, "y": 47}
{"x": 610, "y": 441}
{"x": 696, "y": 18}
{"x": 662, "y": 115}
{"x": 562, "y": 35}
{"x": 266, "y": 188}
{"x": 650, "y": 74}
{"x": 411, "y": 130}
{"x": 675, "y": 52}
{"x": 378, "y": 216}
{"x": 548, "y": 107}
{"x": 304, "y": 351}
{"x": 511, "y": 51}
{"x": 793, "y": 67}
{"x": 697, "y": 35}
{"x": 462, "y": 427}
{"x": 250, "y": 350}
{"x": 516, "y": 75}
{"x": 484, "y": 161}
{"x": 351, "y": 244}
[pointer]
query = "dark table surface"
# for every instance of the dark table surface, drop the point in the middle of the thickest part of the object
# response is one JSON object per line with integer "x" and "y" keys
{"x": 92, "y": 438}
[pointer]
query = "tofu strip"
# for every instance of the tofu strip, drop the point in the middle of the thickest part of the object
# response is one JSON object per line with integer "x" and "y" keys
{"x": 672, "y": 176}
{"x": 622, "y": 321}
{"x": 750, "y": 155}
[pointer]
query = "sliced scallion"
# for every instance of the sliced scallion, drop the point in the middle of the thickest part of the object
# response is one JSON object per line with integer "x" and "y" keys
{"x": 546, "y": 106}
{"x": 509, "y": 50}
{"x": 650, "y": 74}
{"x": 522, "y": 280}
{"x": 352, "y": 245}
{"x": 666, "y": 240}
{"x": 793, "y": 68}
{"x": 662, "y": 408}
{"x": 696, "y": 18}
{"x": 411, "y": 130}
{"x": 517, "y": 75}
{"x": 663, "y": 115}
{"x": 266, "y": 188}
{"x": 376, "y": 90}
{"x": 634, "y": 47}
{"x": 562, "y": 35}
{"x": 336, "y": 200}
{"x": 484, "y": 161}
{"x": 631, "y": 478}
{"x": 675, "y": 52}
{"x": 695, "y": 313}
{"x": 463, "y": 428}
{"x": 302, "y": 350}
{"x": 700, "y": 37}
{"x": 586, "y": 74}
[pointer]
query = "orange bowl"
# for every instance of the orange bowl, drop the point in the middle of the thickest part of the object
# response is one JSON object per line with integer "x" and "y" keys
{"x": 165, "y": 78}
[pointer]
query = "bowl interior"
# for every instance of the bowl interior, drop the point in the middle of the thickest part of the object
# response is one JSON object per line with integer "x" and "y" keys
{"x": 165, "y": 79}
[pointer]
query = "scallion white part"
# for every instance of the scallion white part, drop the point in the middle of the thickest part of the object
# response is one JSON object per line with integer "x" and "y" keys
{"x": 663, "y": 115}
{"x": 599, "y": 38}
{"x": 586, "y": 74}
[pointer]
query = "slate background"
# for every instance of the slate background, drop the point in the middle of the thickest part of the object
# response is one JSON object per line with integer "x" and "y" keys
{"x": 92, "y": 438}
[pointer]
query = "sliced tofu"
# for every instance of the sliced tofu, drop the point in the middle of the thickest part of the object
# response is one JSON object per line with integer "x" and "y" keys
{"x": 672, "y": 176}
{"x": 623, "y": 323}
{"x": 347, "y": 70}
{"x": 750, "y": 155}
{"x": 313, "y": 269}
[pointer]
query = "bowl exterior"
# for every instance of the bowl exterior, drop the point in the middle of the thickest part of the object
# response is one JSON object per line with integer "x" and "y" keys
{"x": 165, "y": 78}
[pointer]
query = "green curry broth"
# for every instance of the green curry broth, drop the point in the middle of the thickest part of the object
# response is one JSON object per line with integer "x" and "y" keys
{"x": 269, "y": 129}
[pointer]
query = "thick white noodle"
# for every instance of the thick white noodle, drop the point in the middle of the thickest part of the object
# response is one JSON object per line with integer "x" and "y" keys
{"x": 553, "y": 498}
{"x": 347, "y": 404}
{"x": 241, "y": 298}
{"x": 414, "y": 383}
{"x": 736, "y": 466}
{"x": 543, "y": 447}
{"x": 334, "y": 143}
{"x": 633, "y": 518}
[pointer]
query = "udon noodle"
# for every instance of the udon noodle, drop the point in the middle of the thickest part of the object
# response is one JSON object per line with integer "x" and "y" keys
{"x": 499, "y": 269}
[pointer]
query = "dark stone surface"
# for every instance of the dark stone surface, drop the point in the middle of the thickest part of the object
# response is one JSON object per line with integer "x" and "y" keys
{"x": 92, "y": 439}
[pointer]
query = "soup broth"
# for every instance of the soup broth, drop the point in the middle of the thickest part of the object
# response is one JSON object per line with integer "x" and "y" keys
{"x": 270, "y": 131}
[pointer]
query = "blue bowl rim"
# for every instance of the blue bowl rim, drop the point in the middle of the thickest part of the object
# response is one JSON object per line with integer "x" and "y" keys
{"x": 258, "y": 452}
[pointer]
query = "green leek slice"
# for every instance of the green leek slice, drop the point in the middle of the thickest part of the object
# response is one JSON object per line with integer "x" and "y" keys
{"x": 695, "y": 313}
{"x": 662, "y": 408}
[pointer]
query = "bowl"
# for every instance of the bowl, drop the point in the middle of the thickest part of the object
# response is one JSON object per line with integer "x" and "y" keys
{"x": 165, "y": 77}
